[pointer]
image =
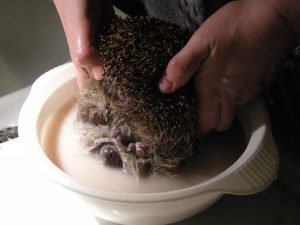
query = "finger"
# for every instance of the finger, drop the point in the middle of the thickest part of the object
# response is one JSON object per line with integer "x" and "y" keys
{"x": 230, "y": 97}
{"x": 80, "y": 80}
{"x": 209, "y": 113}
{"x": 83, "y": 49}
{"x": 88, "y": 57}
{"x": 227, "y": 114}
{"x": 96, "y": 15}
{"x": 82, "y": 76}
{"x": 185, "y": 63}
{"x": 208, "y": 103}
{"x": 81, "y": 23}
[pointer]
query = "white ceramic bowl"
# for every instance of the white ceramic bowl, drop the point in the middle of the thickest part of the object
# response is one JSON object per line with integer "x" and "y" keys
{"x": 252, "y": 172}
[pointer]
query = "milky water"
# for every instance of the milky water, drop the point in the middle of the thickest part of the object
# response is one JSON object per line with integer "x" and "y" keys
{"x": 61, "y": 143}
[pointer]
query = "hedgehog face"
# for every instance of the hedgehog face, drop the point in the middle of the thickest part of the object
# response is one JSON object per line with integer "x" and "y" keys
{"x": 113, "y": 141}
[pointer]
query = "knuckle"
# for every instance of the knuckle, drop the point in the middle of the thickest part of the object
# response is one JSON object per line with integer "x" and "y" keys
{"x": 211, "y": 96}
{"x": 177, "y": 65}
{"x": 83, "y": 55}
{"x": 230, "y": 92}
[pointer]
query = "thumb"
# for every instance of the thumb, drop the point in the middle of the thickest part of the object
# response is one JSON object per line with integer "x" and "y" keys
{"x": 185, "y": 63}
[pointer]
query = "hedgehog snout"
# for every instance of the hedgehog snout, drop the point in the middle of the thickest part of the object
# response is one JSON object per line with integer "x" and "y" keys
{"x": 108, "y": 154}
{"x": 121, "y": 150}
{"x": 111, "y": 156}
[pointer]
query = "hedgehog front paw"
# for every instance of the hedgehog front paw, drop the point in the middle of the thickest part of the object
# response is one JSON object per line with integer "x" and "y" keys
{"x": 139, "y": 149}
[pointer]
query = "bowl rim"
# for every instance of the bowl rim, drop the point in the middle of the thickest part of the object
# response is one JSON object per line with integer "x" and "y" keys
{"x": 41, "y": 91}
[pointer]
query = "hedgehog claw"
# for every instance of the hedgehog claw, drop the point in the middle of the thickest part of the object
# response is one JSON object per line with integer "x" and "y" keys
{"x": 141, "y": 149}
{"x": 131, "y": 148}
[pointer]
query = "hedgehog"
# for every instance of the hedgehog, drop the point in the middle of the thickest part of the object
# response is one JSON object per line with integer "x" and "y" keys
{"x": 126, "y": 122}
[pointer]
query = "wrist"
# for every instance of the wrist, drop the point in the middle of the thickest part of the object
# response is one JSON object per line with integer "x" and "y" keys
{"x": 290, "y": 11}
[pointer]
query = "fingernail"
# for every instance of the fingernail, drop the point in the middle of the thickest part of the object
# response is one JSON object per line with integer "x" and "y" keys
{"x": 165, "y": 85}
{"x": 97, "y": 72}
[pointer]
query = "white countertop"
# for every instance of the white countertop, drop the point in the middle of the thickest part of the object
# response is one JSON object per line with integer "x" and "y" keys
{"x": 26, "y": 197}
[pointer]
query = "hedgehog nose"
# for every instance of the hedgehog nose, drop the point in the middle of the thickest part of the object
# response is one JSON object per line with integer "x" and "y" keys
{"x": 110, "y": 156}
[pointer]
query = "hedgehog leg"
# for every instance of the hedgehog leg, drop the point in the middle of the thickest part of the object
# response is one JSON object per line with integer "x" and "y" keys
{"x": 142, "y": 167}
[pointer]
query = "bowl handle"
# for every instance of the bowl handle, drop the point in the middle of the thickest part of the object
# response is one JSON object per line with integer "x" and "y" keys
{"x": 254, "y": 175}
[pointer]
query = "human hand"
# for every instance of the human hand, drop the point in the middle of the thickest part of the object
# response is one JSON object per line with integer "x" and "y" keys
{"x": 231, "y": 56}
{"x": 82, "y": 21}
